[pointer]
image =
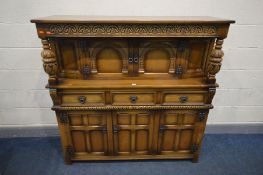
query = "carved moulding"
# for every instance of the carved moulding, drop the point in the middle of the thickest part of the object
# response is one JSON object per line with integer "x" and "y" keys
{"x": 129, "y": 30}
{"x": 101, "y": 108}
{"x": 215, "y": 60}
{"x": 49, "y": 61}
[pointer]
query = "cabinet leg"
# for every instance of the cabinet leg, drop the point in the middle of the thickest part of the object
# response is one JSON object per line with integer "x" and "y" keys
{"x": 195, "y": 158}
{"x": 67, "y": 161}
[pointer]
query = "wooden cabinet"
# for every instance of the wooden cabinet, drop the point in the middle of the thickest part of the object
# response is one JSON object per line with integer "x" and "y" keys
{"x": 131, "y": 88}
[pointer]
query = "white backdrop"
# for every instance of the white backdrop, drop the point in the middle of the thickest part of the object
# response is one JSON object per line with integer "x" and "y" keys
{"x": 25, "y": 102}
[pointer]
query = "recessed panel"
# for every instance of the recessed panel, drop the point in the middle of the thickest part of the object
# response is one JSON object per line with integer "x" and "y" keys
{"x": 142, "y": 137}
{"x": 123, "y": 119}
{"x": 189, "y": 118}
{"x": 95, "y": 119}
{"x": 109, "y": 60}
{"x": 185, "y": 139}
{"x": 197, "y": 50}
{"x": 156, "y": 61}
{"x": 78, "y": 140}
{"x": 97, "y": 141}
{"x": 69, "y": 59}
{"x": 168, "y": 140}
{"x": 76, "y": 119}
{"x": 170, "y": 119}
{"x": 124, "y": 141}
{"x": 142, "y": 119}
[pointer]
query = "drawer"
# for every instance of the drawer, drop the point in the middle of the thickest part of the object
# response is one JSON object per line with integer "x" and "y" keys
{"x": 83, "y": 99}
{"x": 133, "y": 98}
{"x": 182, "y": 98}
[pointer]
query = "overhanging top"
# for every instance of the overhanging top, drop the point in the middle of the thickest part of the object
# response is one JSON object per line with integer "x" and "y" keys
{"x": 132, "y": 19}
{"x": 110, "y": 26}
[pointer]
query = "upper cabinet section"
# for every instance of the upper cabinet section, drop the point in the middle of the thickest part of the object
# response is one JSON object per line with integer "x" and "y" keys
{"x": 80, "y": 47}
{"x": 135, "y": 57}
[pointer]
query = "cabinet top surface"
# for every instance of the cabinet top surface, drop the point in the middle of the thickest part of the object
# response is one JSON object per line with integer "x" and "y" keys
{"x": 130, "y": 19}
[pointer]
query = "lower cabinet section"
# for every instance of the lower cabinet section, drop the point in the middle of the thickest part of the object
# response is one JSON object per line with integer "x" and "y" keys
{"x": 131, "y": 134}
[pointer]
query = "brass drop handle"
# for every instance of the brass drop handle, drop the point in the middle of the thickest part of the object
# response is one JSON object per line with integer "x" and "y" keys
{"x": 130, "y": 60}
{"x": 183, "y": 99}
{"x": 136, "y": 60}
{"x": 133, "y": 99}
{"x": 82, "y": 99}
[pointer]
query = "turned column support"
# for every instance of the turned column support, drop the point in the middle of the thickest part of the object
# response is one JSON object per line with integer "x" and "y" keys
{"x": 215, "y": 60}
{"x": 49, "y": 61}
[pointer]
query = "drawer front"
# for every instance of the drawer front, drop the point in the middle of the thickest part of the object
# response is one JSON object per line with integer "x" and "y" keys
{"x": 83, "y": 99}
{"x": 183, "y": 98}
{"x": 133, "y": 98}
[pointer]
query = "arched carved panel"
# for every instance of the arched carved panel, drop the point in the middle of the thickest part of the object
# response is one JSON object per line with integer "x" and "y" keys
{"x": 109, "y": 53}
{"x": 157, "y": 53}
{"x": 108, "y": 60}
{"x": 156, "y": 60}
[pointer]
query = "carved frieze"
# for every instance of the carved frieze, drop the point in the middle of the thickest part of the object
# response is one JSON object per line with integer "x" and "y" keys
{"x": 130, "y": 30}
{"x": 101, "y": 108}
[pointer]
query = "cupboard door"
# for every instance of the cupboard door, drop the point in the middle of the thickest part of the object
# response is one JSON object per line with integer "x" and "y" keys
{"x": 132, "y": 132}
{"x": 70, "y": 58}
{"x": 88, "y": 132}
{"x": 193, "y": 57}
{"x": 182, "y": 58}
{"x": 176, "y": 131}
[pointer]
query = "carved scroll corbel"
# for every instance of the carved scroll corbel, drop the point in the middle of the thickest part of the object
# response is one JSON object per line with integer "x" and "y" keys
{"x": 215, "y": 60}
{"x": 54, "y": 96}
{"x": 211, "y": 94}
{"x": 49, "y": 61}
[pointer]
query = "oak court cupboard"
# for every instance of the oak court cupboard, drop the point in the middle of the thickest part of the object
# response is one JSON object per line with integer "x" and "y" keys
{"x": 131, "y": 87}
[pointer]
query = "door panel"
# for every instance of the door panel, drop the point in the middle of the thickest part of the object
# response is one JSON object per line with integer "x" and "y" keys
{"x": 176, "y": 131}
{"x": 70, "y": 58}
{"x": 78, "y": 140}
{"x": 182, "y": 58}
{"x": 132, "y": 132}
{"x": 196, "y": 55}
{"x": 89, "y": 132}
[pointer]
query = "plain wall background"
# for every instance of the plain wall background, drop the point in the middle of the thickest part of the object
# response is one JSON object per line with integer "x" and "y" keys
{"x": 24, "y": 101}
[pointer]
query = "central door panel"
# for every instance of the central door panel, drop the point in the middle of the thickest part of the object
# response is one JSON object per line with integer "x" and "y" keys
{"x": 132, "y": 132}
